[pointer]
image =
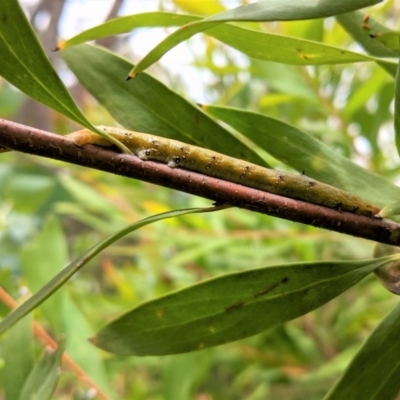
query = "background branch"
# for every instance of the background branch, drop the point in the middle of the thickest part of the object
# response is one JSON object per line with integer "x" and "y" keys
{"x": 34, "y": 141}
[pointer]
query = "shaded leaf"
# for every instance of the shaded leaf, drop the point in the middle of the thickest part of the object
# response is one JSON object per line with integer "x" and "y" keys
{"x": 18, "y": 357}
{"x": 25, "y": 65}
{"x": 147, "y": 105}
{"x": 43, "y": 379}
{"x": 64, "y": 275}
{"x": 43, "y": 258}
{"x": 374, "y": 372}
{"x": 230, "y": 307}
{"x": 305, "y": 153}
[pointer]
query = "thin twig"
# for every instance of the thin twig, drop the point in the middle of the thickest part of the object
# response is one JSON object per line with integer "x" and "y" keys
{"x": 34, "y": 141}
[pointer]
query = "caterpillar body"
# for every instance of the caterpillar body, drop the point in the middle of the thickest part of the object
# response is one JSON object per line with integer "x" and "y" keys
{"x": 208, "y": 162}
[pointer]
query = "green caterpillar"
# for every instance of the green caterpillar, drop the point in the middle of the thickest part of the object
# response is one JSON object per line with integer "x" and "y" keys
{"x": 208, "y": 162}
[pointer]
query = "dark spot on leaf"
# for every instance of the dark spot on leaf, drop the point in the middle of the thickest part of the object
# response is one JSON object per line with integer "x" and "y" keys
{"x": 372, "y": 36}
{"x": 235, "y": 306}
{"x": 267, "y": 290}
{"x": 285, "y": 279}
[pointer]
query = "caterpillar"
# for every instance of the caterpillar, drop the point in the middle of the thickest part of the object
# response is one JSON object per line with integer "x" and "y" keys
{"x": 210, "y": 163}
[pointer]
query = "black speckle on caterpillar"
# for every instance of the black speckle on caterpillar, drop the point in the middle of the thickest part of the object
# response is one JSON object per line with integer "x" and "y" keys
{"x": 208, "y": 162}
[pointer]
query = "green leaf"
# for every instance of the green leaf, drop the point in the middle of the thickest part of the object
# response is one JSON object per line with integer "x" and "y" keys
{"x": 64, "y": 275}
{"x": 147, "y": 105}
{"x": 271, "y": 10}
{"x": 354, "y": 25}
{"x": 43, "y": 379}
{"x": 390, "y": 210}
{"x": 374, "y": 372}
{"x": 397, "y": 110}
{"x": 126, "y": 24}
{"x": 305, "y": 153}
{"x": 26, "y": 66}
{"x": 18, "y": 357}
{"x": 230, "y": 307}
{"x": 256, "y": 44}
{"x": 284, "y": 49}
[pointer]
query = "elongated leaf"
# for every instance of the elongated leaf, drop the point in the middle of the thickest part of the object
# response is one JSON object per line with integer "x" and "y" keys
{"x": 390, "y": 210}
{"x": 18, "y": 357}
{"x": 146, "y": 105}
{"x": 305, "y": 153}
{"x": 230, "y": 307}
{"x": 284, "y": 49}
{"x": 364, "y": 33}
{"x": 63, "y": 276}
{"x": 26, "y": 66}
{"x": 126, "y": 24}
{"x": 397, "y": 110}
{"x": 269, "y": 10}
{"x": 256, "y": 44}
{"x": 43, "y": 379}
{"x": 374, "y": 372}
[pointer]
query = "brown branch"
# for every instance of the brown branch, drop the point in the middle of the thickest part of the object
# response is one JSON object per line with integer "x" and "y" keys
{"x": 34, "y": 141}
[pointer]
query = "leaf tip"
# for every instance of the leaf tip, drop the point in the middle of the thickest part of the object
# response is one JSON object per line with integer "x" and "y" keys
{"x": 93, "y": 340}
{"x": 61, "y": 45}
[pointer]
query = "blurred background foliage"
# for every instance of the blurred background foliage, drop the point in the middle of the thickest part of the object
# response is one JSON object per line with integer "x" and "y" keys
{"x": 51, "y": 212}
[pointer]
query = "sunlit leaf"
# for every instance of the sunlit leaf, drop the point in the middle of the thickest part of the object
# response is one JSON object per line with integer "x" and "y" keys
{"x": 390, "y": 210}
{"x": 364, "y": 31}
{"x": 256, "y": 44}
{"x": 230, "y": 307}
{"x": 270, "y": 10}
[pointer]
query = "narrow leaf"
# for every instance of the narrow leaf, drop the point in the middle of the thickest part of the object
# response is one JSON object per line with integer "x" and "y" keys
{"x": 230, "y": 307}
{"x": 18, "y": 357}
{"x": 307, "y": 154}
{"x": 25, "y": 65}
{"x": 43, "y": 379}
{"x": 374, "y": 372}
{"x": 147, "y": 105}
{"x": 256, "y": 44}
{"x": 63, "y": 276}
{"x": 126, "y": 24}
{"x": 364, "y": 30}
{"x": 271, "y": 10}
{"x": 397, "y": 110}
{"x": 390, "y": 210}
